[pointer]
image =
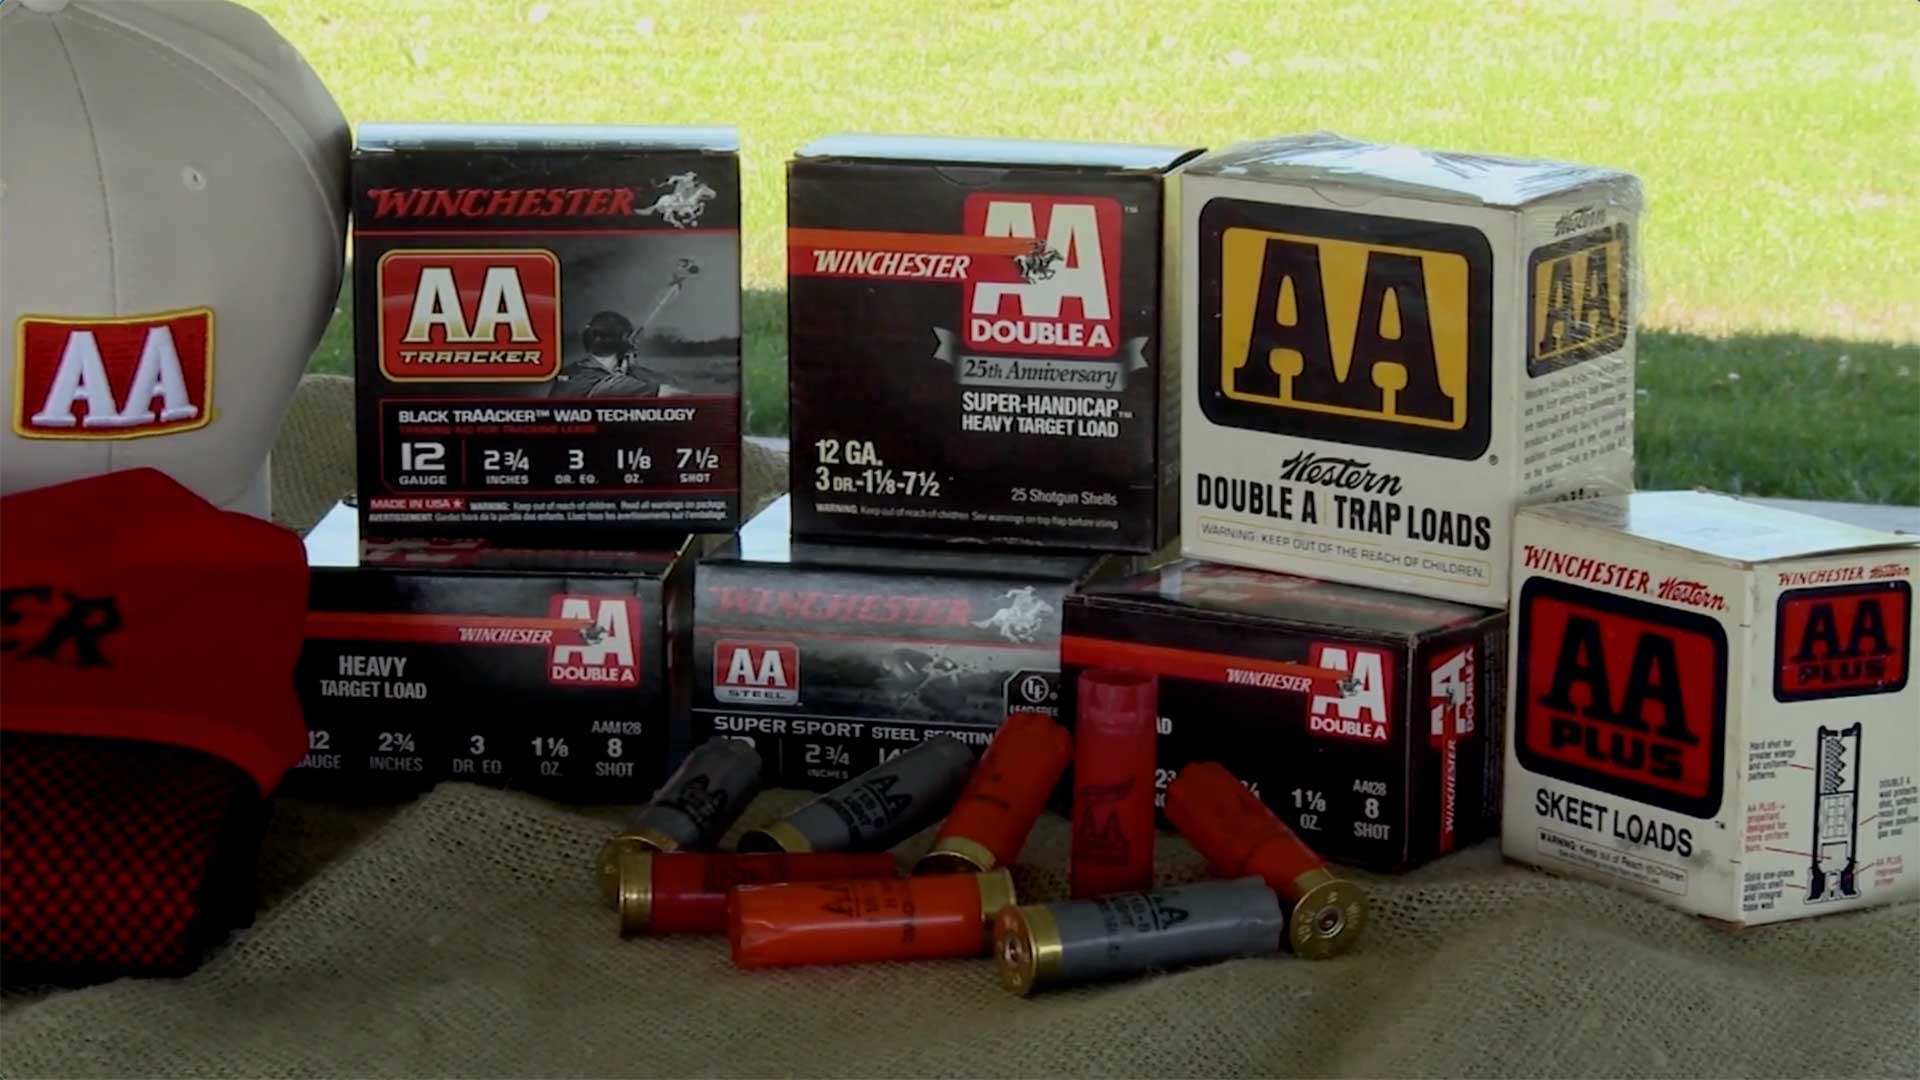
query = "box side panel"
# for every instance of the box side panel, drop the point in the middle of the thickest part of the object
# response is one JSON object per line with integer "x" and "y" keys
{"x": 1456, "y": 682}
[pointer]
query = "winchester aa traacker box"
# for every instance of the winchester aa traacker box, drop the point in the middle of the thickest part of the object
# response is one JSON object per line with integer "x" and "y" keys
{"x": 556, "y": 671}
{"x": 834, "y": 658}
{"x": 1368, "y": 720}
{"x": 981, "y": 341}
{"x": 1389, "y": 349}
{"x": 1713, "y": 705}
{"x": 548, "y": 331}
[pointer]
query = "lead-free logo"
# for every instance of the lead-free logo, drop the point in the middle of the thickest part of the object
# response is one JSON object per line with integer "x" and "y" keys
{"x": 1577, "y": 300}
{"x": 113, "y": 378}
{"x": 483, "y": 315}
{"x": 1352, "y": 328}
{"x": 1062, "y": 299}
{"x": 1842, "y": 641}
{"x": 604, "y": 651}
{"x": 1622, "y": 695}
{"x": 756, "y": 672}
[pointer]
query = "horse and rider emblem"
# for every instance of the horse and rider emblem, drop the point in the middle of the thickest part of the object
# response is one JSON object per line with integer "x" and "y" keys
{"x": 683, "y": 203}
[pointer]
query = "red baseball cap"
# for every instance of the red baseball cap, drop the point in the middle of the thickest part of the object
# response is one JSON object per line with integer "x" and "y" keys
{"x": 132, "y": 608}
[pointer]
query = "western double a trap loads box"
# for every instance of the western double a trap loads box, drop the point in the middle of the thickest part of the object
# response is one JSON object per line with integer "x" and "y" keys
{"x": 1367, "y": 719}
{"x": 1713, "y": 705}
{"x": 553, "y": 670}
{"x": 831, "y": 658}
{"x": 980, "y": 341}
{"x": 547, "y": 330}
{"x": 1387, "y": 349}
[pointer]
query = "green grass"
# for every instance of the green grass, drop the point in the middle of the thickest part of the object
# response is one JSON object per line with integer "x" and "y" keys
{"x": 1778, "y": 143}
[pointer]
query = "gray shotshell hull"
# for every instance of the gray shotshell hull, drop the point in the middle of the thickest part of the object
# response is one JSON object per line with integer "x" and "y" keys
{"x": 704, "y": 796}
{"x": 1129, "y": 933}
{"x": 888, "y": 803}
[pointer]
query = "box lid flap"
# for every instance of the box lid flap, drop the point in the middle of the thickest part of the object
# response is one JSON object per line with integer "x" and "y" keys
{"x": 1285, "y": 598}
{"x": 1721, "y": 527}
{"x": 971, "y": 151}
{"x": 767, "y": 539}
{"x": 1474, "y": 179}
{"x": 379, "y": 138}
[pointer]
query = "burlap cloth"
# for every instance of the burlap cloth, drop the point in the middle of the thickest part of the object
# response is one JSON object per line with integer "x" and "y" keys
{"x": 460, "y": 935}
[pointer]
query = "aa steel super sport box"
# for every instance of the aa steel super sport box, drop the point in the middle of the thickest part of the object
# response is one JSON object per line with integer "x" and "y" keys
{"x": 1387, "y": 350}
{"x": 831, "y": 658}
{"x": 559, "y": 671}
{"x": 1368, "y": 720}
{"x": 981, "y": 342}
{"x": 1713, "y": 705}
{"x": 547, "y": 331}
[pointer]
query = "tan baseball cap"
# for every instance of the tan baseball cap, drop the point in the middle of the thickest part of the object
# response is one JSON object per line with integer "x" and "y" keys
{"x": 173, "y": 193}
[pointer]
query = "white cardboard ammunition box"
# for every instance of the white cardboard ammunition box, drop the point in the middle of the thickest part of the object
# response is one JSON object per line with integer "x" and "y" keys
{"x": 1386, "y": 350}
{"x": 1711, "y": 704}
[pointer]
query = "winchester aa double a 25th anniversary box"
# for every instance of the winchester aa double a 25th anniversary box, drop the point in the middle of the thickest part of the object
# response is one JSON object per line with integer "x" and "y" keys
{"x": 1713, "y": 705}
{"x": 552, "y": 670}
{"x": 981, "y": 342}
{"x": 831, "y": 658}
{"x": 547, "y": 330}
{"x": 1368, "y": 720}
{"x": 1388, "y": 349}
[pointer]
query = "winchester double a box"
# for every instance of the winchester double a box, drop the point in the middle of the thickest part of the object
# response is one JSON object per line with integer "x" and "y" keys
{"x": 1713, "y": 705}
{"x": 982, "y": 342}
{"x": 547, "y": 331}
{"x": 553, "y": 670}
{"x": 1368, "y": 720}
{"x": 831, "y": 658}
{"x": 1387, "y": 350}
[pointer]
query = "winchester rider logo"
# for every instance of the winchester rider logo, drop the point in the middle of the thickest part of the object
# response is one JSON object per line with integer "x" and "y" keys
{"x": 1842, "y": 642}
{"x": 685, "y": 200}
{"x": 112, "y": 378}
{"x": 1577, "y": 300}
{"x": 1352, "y": 328}
{"x": 1023, "y": 617}
{"x": 1622, "y": 695}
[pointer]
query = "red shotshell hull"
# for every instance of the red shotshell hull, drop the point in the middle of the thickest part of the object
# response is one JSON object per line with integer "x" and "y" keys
{"x": 1007, "y": 791}
{"x": 861, "y": 921}
{"x": 1113, "y": 758}
{"x": 1235, "y": 831}
{"x": 690, "y": 890}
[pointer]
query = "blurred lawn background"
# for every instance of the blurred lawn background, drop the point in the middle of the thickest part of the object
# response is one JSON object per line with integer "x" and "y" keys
{"x": 1779, "y": 143}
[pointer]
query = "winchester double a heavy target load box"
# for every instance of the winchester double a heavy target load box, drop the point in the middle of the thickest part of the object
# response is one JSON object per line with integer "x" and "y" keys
{"x": 1387, "y": 350}
{"x": 547, "y": 330}
{"x": 559, "y": 671}
{"x": 1368, "y": 720}
{"x": 832, "y": 658}
{"x": 1713, "y": 705}
{"x": 981, "y": 342}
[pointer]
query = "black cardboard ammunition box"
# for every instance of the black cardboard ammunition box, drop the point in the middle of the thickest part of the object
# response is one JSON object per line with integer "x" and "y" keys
{"x": 549, "y": 670}
{"x": 547, "y": 331}
{"x": 1368, "y": 720}
{"x": 982, "y": 342}
{"x": 831, "y": 658}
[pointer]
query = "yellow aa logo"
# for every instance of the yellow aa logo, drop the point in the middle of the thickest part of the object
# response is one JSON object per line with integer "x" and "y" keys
{"x": 1347, "y": 327}
{"x": 1577, "y": 300}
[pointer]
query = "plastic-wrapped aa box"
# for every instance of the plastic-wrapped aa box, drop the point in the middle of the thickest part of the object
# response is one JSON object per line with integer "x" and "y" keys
{"x": 551, "y": 670}
{"x": 1387, "y": 350}
{"x": 832, "y": 658}
{"x": 1713, "y": 705}
{"x": 1368, "y": 720}
{"x": 547, "y": 331}
{"x": 981, "y": 342}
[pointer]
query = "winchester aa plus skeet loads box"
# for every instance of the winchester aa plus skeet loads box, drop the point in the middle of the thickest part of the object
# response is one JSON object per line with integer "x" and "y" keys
{"x": 831, "y": 658}
{"x": 1368, "y": 720}
{"x": 556, "y": 671}
{"x": 1713, "y": 704}
{"x": 1389, "y": 349}
{"x": 548, "y": 330}
{"x": 981, "y": 342}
